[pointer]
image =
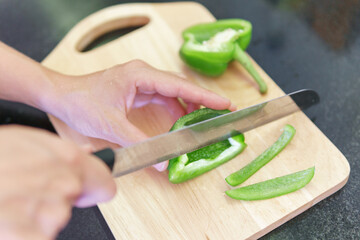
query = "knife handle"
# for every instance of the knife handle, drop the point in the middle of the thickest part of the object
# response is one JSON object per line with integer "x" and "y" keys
{"x": 107, "y": 155}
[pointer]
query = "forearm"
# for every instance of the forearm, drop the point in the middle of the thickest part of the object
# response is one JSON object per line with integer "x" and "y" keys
{"x": 23, "y": 79}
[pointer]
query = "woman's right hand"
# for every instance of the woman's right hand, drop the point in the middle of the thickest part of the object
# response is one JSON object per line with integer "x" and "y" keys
{"x": 41, "y": 178}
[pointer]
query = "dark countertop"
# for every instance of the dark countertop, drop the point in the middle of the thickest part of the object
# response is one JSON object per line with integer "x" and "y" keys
{"x": 300, "y": 44}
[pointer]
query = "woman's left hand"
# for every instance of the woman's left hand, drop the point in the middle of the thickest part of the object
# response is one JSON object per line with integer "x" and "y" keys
{"x": 97, "y": 105}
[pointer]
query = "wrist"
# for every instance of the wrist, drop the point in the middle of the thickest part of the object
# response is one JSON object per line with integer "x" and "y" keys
{"x": 24, "y": 80}
{"x": 42, "y": 92}
{"x": 64, "y": 97}
{"x": 49, "y": 98}
{"x": 34, "y": 92}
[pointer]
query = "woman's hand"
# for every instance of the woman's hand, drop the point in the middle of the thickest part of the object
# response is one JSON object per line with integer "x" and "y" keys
{"x": 41, "y": 178}
{"x": 97, "y": 105}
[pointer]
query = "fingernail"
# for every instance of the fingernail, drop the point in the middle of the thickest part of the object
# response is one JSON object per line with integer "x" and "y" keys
{"x": 87, "y": 147}
{"x": 233, "y": 107}
{"x": 161, "y": 166}
{"x": 180, "y": 74}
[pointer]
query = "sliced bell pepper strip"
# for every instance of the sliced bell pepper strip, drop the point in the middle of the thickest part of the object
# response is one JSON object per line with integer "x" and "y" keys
{"x": 209, "y": 47}
{"x": 243, "y": 174}
{"x": 195, "y": 163}
{"x": 273, "y": 187}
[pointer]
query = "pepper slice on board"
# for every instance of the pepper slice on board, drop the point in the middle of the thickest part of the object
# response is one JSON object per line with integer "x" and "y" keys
{"x": 244, "y": 173}
{"x": 193, "y": 164}
{"x": 273, "y": 187}
{"x": 209, "y": 47}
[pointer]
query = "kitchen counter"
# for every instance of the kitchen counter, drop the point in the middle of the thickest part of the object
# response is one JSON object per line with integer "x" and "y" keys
{"x": 300, "y": 44}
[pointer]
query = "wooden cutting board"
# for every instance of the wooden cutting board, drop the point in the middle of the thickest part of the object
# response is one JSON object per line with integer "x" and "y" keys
{"x": 147, "y": 206}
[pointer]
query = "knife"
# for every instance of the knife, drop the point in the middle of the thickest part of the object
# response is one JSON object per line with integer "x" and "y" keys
{"x": 173, "y": 144}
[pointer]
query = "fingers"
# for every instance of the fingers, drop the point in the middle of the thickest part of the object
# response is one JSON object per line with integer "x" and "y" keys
{"x": 88, "y": 148}
{"x": 123, "y": 132}
{"x": 127, "y": 134}
{"x": 43, "y": 180}
{"x": 172, "y": 105}
{"x": 142, "y": 100}
{"x": 170, "y": 85}
{"x": 191, "y": 107}
{"x": 161, "y": 166}
{"x": 27, "y": 232}
{"x": 98, "y": 183}
{"x": 176, "y": 110}
{"x": 53, "y": 214}
{"x": 41, "y": 215}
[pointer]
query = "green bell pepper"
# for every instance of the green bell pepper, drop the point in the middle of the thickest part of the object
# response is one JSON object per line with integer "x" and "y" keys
{"x": 195, "y": 163}
{"x": 273, "y": 187}
{"x": 209, "y": 47}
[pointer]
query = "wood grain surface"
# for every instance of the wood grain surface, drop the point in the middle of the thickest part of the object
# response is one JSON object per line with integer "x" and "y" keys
{"x": 147, "y": 206}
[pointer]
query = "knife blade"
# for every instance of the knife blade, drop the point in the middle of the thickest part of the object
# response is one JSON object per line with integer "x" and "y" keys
{"x": 173, "y": 144}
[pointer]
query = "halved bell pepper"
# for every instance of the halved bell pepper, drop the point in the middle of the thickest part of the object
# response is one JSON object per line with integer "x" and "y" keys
{"x": 195, "y": 163}
{"x": 209, "y": 47}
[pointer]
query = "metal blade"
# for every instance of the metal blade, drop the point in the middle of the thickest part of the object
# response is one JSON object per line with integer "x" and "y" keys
{"x": 169, "y": 145}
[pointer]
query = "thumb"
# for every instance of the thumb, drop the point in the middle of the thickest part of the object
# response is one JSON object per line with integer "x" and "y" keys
{"x": 88, "y": 148}
{"x": 130, "y": 134}
{"x": 172, "y": 104}
{"x": 125, "y": 133}
{"x": 161, "y": 166}
{"x": 98, "y": 183}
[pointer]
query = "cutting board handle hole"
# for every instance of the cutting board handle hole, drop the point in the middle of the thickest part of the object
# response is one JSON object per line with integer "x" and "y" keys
{"x": 110, "y": 31}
